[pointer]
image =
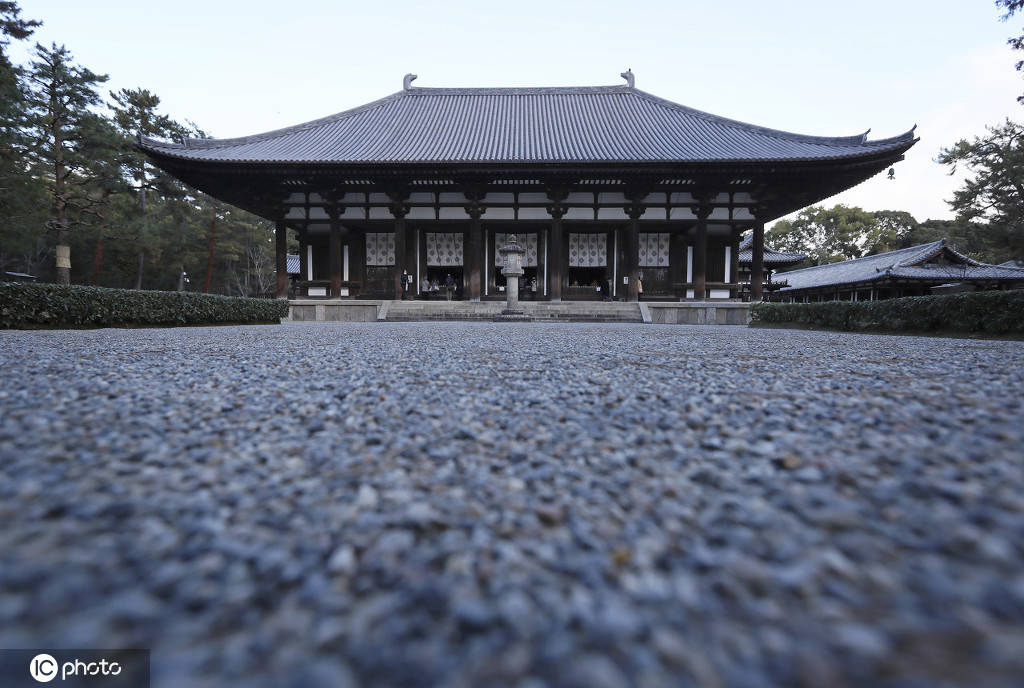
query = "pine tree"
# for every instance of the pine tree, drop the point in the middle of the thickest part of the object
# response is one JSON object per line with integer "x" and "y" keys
{"x": 135, "y": 114}
{"x": 18, "y": 193}
{"x": 11, "y": 24}
{"x": 68, "y": 141}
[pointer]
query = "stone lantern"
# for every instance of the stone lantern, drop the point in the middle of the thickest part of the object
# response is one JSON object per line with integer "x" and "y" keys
{"x": 512, "y": 258}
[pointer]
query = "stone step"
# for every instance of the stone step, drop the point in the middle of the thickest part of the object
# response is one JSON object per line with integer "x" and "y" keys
{"x": 545, "y": 312}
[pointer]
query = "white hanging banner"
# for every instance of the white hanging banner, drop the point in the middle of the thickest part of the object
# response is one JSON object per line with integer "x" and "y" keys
{"x": 444, "y": 248}
{"x": 588, "y": 250}
{"x": 380, "y": 248}
{"x": 653, "y": 250}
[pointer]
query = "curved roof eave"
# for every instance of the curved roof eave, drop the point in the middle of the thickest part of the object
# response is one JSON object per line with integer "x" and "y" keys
{"x": 874, "y": 153}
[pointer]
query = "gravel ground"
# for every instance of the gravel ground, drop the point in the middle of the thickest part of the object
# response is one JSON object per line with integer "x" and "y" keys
{"x": 517, "y": 505}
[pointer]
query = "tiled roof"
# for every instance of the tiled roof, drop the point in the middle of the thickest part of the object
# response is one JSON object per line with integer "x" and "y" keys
{"x": 771, "y": 256}
{"x": 590, "y": 124}
{"x": 907, "y": 263}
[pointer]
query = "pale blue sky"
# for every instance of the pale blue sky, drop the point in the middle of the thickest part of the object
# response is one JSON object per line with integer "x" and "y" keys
{"x": 813, "y": 67}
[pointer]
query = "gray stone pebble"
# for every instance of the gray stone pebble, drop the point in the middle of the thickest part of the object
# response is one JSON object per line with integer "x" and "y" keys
{"x": 470, "y": 504}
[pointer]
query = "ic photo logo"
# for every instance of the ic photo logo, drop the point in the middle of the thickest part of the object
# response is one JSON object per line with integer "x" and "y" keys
{"x": 43, "y": 668}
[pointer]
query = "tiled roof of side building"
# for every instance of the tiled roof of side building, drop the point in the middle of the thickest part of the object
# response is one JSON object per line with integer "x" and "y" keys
{"x": 510, "y": 125}
{"x": 771, "y": 256}
{"x": 907, "y": 263}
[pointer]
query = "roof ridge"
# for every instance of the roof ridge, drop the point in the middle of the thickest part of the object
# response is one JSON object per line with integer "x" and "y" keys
{"x": 926, "y": 252}
{"x": 933, "y": 250}
{"x": 511, "y": 90}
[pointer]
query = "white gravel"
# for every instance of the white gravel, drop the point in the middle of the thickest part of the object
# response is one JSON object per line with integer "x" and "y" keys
{"x": 517, "y": 504}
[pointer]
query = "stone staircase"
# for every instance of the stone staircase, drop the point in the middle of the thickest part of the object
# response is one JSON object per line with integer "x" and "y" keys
{"x": 541, "y": 311}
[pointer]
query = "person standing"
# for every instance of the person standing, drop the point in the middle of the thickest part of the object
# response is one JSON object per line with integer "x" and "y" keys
{"x": 449, "y": 285}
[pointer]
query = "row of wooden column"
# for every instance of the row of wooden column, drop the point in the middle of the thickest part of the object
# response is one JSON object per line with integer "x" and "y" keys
{"x": 405, "y": 255}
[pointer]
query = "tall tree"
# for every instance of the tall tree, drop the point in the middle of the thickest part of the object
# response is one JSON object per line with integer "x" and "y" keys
{"x": 894, "y": 230}
{"x": 13, "y": 26}
{"x": 135, "y": 113}
{"x": 67, "y": 141}
{"x": 828, "y": 235}
{"x": 1011, "y": 7}
{"x": 993, "y": 193}
{"x": 18, "y": 197}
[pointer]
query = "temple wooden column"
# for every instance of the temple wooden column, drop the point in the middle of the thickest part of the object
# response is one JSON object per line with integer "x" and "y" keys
{"x": 676, "y": 261}
{"x": 303, "y": 255}
{"x": 556, "y": 257}
{"x": 556, "y": 242}
{"x": 334, "y": 252}
{"x": 757, "y": 262}
{"x": 631, "y": 268}
{"x": 412, "y": 259}
{"x": 357, "y": 260}
{"x": 399, "y": 210}
{"x": 700, "y": 253}
{"x": 734, "y": 261}
{"x": 475, "y": 251}
{"x": 281, "y": 258}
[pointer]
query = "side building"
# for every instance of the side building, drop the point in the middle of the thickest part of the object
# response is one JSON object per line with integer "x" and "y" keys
{"x": 600, "y": 184}
{"x": 915, "y": 271}
{"x": 773, "y": 260}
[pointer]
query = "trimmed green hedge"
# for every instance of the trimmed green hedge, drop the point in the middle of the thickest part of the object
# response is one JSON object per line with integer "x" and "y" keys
{"x": 25, "y": 305}
{"x": 989, "y": 312}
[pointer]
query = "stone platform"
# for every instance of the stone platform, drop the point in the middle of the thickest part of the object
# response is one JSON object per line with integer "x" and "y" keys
{"x": 654, "y": 312}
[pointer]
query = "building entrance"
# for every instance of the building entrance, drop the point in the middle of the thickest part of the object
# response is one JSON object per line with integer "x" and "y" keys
{"x": 437, "y": 277}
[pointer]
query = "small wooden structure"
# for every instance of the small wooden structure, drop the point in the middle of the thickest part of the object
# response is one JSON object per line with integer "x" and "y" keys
{"x": 913, "y": 271}
{"x": 601, "y": 184}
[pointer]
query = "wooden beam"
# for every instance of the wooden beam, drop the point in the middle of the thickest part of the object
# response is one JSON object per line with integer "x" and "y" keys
{"x": 474, "y": 251}
{"x": 734, "y": 264}
{"x": 281, "y": 255}
{"x": 631, "y": 266}
{"x": 556, "y": 241}
{"x": 334, "y": 256}
{"x": 399, "y": 211}
{"x": 357, "y": 259}
{"x": 676, "y": 259}
{"x": 303, "y": 255}
{"x": 700, "y": 254}
{"x": 757, "y": 264}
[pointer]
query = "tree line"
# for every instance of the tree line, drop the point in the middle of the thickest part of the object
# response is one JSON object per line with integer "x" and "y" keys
{"x": 829, "y": 235}
{"x": 80, "y": 203}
